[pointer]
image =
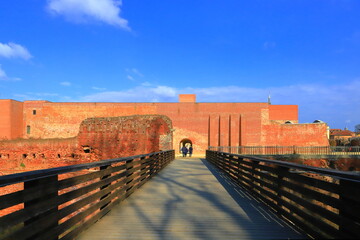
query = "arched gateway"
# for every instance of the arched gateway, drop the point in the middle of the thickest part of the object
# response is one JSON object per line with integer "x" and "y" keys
{"x": 185, "y": 142}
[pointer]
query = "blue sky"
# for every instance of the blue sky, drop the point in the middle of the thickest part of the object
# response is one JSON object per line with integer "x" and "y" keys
{"x": 304, "y": 52}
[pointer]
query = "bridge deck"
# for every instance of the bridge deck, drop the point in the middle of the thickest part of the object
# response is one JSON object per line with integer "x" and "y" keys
{"x": 190, "y": 199}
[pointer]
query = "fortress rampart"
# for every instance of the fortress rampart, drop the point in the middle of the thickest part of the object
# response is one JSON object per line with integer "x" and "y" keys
{"x": 201, "y": 124}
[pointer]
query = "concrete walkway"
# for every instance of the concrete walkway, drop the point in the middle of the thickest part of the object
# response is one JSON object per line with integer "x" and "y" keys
{"x": 190, "y": 199}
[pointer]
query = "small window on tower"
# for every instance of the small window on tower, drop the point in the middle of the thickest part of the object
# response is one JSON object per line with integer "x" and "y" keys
{"x": 34, "y": 112}
{"x": 28, "y": 129}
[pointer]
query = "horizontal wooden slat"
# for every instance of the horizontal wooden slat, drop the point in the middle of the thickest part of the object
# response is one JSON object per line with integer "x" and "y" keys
{"x": 69, "y": 182}
{"x": 321, "y": 197}
{"x": 71, "y": 235}
{"x": 27, "y": 213}
{"x": 65, "y": 226}
{"x": 313, "y": 194}
{"x": 349, "y": 225}
{"x": 314, "y": 182}
{"x": 333, "y": 215}
{"x": 43, "y": 223}
{"x": 310, "y": 219}
{"x": 277, "y": 185}
{"x": 27, "y": 176}
{"x": 140, "y": 169}
{"x": 324, "y": 171}
{"x": 305, "y": 226}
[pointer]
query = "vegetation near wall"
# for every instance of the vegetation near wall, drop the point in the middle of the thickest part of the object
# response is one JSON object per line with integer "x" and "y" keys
{"x": 355, "y": 141}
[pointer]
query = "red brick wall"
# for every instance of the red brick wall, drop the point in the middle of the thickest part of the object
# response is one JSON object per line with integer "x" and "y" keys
{"x": 16, "y": 119}
{"x": 283, "y": 112}
{"x": 62, "y": 120}
{"x": 114, "y": 137}
{"x": 295, "y": 135}
{"x": 246, "y": 124}
{"x": 190, "y": 120}
{"x": 5, "y": 119}
{"x": 105, "y": 137}
{"x": 11, "y": 119}
{"x": 32, "y": 154}
{"x": 187, "y": 98}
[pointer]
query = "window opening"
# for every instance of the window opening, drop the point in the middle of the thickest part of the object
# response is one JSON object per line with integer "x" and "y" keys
{"x": 87, "y": 149}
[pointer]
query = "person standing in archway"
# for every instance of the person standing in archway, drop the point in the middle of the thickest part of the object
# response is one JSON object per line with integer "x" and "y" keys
{"x": 184, "y": 151}
{"x": 190, "y": 150}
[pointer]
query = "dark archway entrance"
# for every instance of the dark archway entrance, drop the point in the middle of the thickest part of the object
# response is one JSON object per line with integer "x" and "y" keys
{"x": 185, "y": 142}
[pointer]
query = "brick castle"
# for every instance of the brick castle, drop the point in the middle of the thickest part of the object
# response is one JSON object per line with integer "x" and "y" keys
{"x": 63, "y": 129}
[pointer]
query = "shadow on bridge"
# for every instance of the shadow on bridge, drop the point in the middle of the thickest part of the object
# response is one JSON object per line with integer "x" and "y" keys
{"x": 255, "y": 210}
{"x": 190, "y": 199}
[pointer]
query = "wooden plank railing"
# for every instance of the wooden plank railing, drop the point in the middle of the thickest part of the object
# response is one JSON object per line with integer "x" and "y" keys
{"x": 324, "y": 203}
{"x": 59, "y": 203}
{"x": 281, "y": 150}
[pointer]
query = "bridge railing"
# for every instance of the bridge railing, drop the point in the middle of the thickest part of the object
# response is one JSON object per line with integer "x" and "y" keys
{"x": 279, "y": 150}
{"x": 324, "y": 203}
{"x": 59, "y": 203}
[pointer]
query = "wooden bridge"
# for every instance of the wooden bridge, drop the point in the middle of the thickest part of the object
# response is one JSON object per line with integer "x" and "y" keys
{"x": 224, "y": 196}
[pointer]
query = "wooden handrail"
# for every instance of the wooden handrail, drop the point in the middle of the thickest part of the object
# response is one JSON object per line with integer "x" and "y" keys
{"x": 59, "y": 203}
{"x": 324, "y": 203}
{"x": 32, "y": 175}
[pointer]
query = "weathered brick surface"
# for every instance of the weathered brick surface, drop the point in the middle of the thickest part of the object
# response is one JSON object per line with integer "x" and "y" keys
{"x": 98, "y": 138}
{"x": 114, "y": 137}
{"x": 294, "y": 135}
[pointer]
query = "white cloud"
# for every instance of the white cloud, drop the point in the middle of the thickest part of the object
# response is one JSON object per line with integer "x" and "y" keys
{"x": 137, "y": 94}
{"x": 23, "y": 96}
{"x": 3, "y": 75}
{"x": 131, "y": 72}
{"x": 130, "y": 78}
{"x": 269, "y": 45}
{"x": 146, "y": 84}
{"x": 137, "y": 72}
{"x": 134, "y": 71}
{"x": 13, "y": 50}
{"x": 36, "y": 96}
{"x": 43, "y": 94}
{"x": 99, "y": 89}
{"x": 107, "y": 11}
{"x": 164, "y": 91}
{"x": 66, "y": 84}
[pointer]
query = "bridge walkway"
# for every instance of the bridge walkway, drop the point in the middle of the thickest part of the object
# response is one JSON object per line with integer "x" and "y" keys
{"x": 190, "y": 199}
